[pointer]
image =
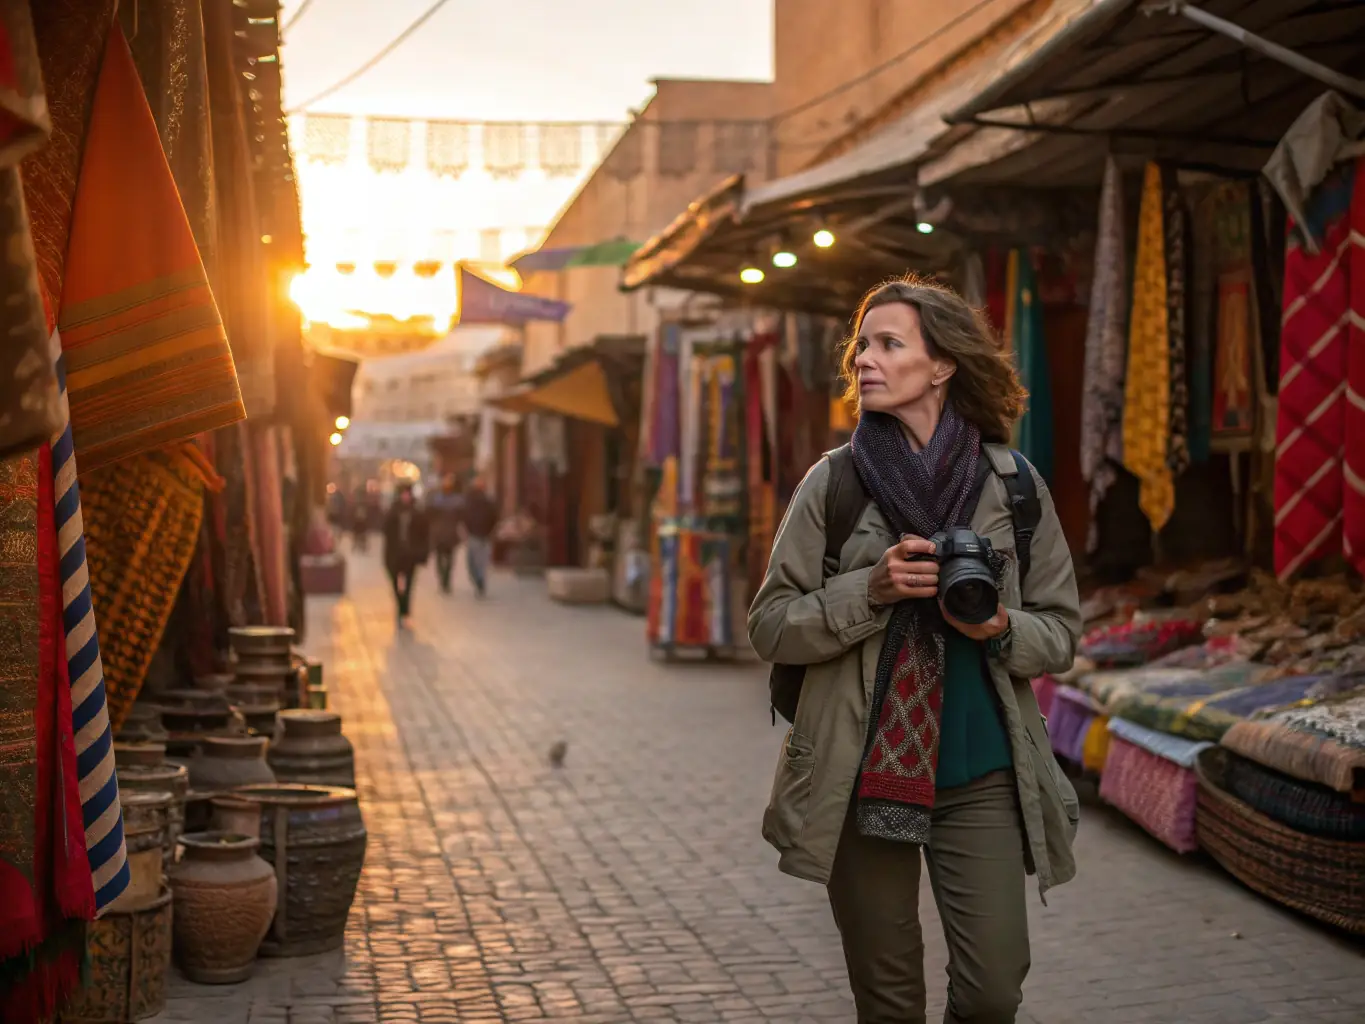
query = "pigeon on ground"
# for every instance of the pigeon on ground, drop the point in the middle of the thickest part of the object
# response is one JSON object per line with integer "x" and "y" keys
{"x": 557, "y": 753}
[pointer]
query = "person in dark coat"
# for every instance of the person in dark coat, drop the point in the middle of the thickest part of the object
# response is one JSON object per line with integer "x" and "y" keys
{"x": 479, "y": 518}
{"x": 406, "y": 543}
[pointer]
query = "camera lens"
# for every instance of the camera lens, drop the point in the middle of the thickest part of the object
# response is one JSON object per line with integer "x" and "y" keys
{"x": 968, "y": 590}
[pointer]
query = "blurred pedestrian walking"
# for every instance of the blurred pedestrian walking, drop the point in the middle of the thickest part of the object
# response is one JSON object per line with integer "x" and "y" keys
{"x": 406, "y": 544}
{"x": 479, "y": 518}
{"x": 445, "y": 508}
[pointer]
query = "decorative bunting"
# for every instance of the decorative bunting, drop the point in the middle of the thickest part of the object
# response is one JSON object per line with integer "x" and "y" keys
{"x": 327, "y": 138}
{"x": 388, "y": 142}
{"x": 504, "y": 149}
{"x": 447, "y": 148}
{"x": 561, "y": 149}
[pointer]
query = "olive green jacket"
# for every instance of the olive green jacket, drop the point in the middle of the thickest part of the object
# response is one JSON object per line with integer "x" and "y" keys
{"x": 800, "y": 618}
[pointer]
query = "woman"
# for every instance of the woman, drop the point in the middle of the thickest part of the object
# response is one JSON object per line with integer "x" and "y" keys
{"x": 914, "y": 729}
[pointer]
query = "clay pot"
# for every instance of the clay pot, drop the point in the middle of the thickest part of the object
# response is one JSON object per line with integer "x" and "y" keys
{"x": 143, "y": 755}
{"x": 261, "y": 641}
{"x": 309, "y": 748}
{"x": 225, "y": 898}
{"x": 160, "y": 778}
{"x": 226, "y": 762}
{"x": 146, "y": 825}
{"x": 143, "y": 725}
{"x": 130, "y": 955}
{"x": 234, "y": 814}
{"x": 315, "y": 838}
{"x": 217, "y": 682}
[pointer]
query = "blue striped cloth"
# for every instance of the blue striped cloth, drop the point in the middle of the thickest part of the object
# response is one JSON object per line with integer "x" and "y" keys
{"x": 89, "y": 710}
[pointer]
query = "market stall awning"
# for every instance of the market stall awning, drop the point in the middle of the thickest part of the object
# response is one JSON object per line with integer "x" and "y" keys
{"x": 867, "y": 197}
{"x": 332, "y": 376}
{"x": 582, "y": 383}
{"x": 1146, "y": 80}
{"x": 603, "y": 254}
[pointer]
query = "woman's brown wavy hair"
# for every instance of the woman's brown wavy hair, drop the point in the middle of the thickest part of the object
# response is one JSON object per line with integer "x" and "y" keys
{"x": 985, "y": 389}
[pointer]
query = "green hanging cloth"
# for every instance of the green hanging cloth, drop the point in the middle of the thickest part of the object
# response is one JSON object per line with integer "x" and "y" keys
{"x": 1033, "y": 436}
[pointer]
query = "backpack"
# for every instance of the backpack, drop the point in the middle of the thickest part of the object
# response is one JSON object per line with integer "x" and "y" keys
{"x": 845, "y": 500}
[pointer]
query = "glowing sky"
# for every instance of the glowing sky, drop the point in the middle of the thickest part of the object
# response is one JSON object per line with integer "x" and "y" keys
{"x": 477, "y": 60}
{"x": 530, "y": 60}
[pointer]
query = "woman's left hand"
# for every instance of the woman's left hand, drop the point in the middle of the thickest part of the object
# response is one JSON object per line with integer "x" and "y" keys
{"x": 992, "y": 627}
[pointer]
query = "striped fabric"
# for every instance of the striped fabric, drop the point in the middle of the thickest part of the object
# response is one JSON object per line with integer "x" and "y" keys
{"x": 100, "y": 806}
{"x": 1311, "y": 429}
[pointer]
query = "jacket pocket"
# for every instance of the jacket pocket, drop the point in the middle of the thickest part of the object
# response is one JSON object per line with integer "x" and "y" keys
{"x": 1063, "y": 795}
{"x": 786, "y": 813}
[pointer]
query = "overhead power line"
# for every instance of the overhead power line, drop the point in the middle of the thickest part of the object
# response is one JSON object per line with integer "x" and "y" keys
{"x": 886, "y": 65}
{"x": 296, "y": 15}
{"x": 398, "y": 41}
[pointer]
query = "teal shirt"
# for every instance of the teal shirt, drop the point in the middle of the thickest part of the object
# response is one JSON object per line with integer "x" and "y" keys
{"x": 972, "y": 741}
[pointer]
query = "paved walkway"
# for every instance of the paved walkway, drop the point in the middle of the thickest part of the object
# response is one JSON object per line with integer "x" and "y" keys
{"x": 632, "y": 885}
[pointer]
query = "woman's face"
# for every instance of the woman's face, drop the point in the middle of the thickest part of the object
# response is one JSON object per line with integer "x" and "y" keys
{"x": 894, "y": 367}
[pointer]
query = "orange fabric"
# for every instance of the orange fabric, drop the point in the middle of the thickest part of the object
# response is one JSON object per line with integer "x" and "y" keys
{"x": 148, "y": 362}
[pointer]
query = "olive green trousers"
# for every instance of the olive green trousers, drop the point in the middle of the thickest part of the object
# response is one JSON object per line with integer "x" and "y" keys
{"x": 976, "y": 868}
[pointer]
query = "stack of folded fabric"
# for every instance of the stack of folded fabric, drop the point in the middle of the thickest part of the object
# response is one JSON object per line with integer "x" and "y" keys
{"x": 1149, "y": 776}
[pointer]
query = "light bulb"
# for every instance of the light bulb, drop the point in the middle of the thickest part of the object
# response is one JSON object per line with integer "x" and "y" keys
{"x": 751, "y": 275}
{"x": 924, "y": 228}
{"x": 784, "y": 259}
{"x": 343, "y": 422}
{"x": 823, "y": 238}
{"x": 335, "y": 439}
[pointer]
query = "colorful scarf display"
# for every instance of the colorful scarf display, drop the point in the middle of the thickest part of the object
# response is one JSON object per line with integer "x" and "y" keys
{"x": 148, "y": 362}
{"x": 1147, "y": 389}
{"x": 920, "y": 493}
{"x": 1035, "y": 435}
{"x": 1105, "y": 350}
{"x": 1315, "y": 379}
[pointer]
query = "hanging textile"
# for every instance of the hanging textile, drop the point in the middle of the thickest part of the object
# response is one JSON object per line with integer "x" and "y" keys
{"x": 273, "y": 566}
{"x": 147, "y": 360}
{"x": 1105, "y": 348}
{"x": 1176, "y": 239}
{"x": 1314, "y": 364}
{"x": 28, "y": 388}
{"x": 1147, "y": 395}
{"x": 1353, "y": 539}
{"x": 240, "y": 282}
{"x": 142, "y": 521}
{"x": 46, "y": 893}
{"x": 169, "y": 52}
{"x": 100, "y": 807}
{"x": 722, "y": 487}
{"x": 1030, "y": 353}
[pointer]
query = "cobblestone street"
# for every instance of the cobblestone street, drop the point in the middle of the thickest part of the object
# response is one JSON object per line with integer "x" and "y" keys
{"x": 633, "y": 885}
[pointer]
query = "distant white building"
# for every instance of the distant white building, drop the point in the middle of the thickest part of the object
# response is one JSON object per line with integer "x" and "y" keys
{"x": 400, "y": 402}
{"x": 434, "y": 385}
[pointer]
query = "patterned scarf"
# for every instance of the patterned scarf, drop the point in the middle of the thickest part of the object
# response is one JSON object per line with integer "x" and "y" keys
{"x": 921, "y": 493}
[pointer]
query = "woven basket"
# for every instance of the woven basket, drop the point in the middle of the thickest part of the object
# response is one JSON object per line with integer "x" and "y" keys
{"x": 142, "y": 518}
{"x": 1323, "y": 878}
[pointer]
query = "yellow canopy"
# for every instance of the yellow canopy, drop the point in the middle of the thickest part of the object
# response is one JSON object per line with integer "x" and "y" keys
{"x": 580, "y": 393}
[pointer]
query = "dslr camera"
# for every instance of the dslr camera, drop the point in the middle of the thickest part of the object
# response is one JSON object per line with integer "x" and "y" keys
{"x": 966, "y": 585}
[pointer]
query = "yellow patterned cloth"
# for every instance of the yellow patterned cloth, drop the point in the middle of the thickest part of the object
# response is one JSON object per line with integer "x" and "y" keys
{"x": 1095, "y": 748}
{"x": 142, "y": 520}
{"x": 1147, "y": 391}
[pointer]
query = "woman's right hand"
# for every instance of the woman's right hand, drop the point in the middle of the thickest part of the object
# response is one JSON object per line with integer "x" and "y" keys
{"x": 903, "y": 572}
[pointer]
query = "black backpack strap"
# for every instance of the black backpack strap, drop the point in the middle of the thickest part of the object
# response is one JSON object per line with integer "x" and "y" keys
{"x": 845, "y": 500}
{"x": 1026, "y": 509}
